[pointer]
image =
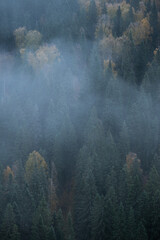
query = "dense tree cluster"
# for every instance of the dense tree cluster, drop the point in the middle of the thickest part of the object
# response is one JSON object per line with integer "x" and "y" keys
{"x": 80, "y": 120}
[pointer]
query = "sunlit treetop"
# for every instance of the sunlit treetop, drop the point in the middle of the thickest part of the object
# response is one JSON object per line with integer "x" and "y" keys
{"x": 8, "y": 174}
{"x": 35, "y": 163}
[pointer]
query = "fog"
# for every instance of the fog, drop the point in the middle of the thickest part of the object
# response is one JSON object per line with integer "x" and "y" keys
{"x": 79, "y": 119}
{"x": 39, "y": 101}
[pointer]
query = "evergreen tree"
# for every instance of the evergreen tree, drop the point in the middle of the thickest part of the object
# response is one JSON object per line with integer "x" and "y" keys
{"x": 131, "y": 225}
{"x": 135, "y": 4}
{"x": 91, "y": 20}
{"x": 118, "y": 23}
{"x": 9, "y": 229}
{"x": 154, "y": 23}
{"x": 103, "y": 7}
{"x": 51, "y": 234}
{"x": 85, "y": 193}
{"x": 98, "y": 218}
{"x": 59, "y": 225}
{"x": 120, "y": 224}
{"x": 141, "y": 232}
{"x": 70, "y": 229}
{"x": 130, "y": 17}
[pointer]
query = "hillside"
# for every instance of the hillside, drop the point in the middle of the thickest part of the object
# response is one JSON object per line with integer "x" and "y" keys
{"x": 79, "y": 120}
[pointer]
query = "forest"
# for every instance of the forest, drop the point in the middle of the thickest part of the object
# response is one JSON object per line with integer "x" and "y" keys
{"x": 80, "y": 120}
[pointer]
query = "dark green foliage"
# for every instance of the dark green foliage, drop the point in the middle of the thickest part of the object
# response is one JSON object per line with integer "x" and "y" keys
{"x": 98, "y": 218}
{"x": 135, "y": 4}
{"x": 9, "y": 229}
{"x": 154, "y": 22}
{"x": 141, "y": 232}
{"x": 70, "y": 228}
{"x": 58, "y": 223}
{"x": 91, "y": 20}
{"x": 118, "y": 23}
{"x": 93, "y": 114}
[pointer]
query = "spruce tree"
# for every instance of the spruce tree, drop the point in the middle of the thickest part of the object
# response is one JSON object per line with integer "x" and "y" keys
{"x": 9, "y": 229}
{"x": 118, "y": 23}
{"x": 91, "y": 20}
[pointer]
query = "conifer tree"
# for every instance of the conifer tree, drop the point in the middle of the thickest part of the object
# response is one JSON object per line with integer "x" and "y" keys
{"x": 70, "y": 229}
{"x": 141, "y": 232}
{"x": 98, "y": 218}
{"x": 118, "y": 23}
{"x": 91, "y": 20}
{"x": 9, "y": 229}
{"x": 59, "y": 225}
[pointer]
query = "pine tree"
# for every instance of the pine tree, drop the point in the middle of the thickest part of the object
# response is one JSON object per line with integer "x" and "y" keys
{"x": 130, "y": 16}
{"x": 41, "y": 222}
{"x": 98, "y": 218}
{"x": 91, "y": 20}
{"x": 110, "y": 213}
{"x": 51, "y": 234}
{"x": 58, "y": 223}
{"x": 97, "y": 81}
{"x": 118, "y": 23}
{"x": 85, "y": 192}
{"x": 135, "y": 4}
{"x": 124, "y": 141}
{"x": 148, "y": 6}
{"x": 103, "y": 7}
{"x": 141, "y": 232}
{"x": 120, "y": 224}
{"x": 70, "y": 229}
{"x": 154, "y": 22}
{"x": 131, "y": 225}
{"x": 9, "y": 229}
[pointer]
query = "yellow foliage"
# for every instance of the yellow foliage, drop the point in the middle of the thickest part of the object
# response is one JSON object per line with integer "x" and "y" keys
{"x": 24, "y": 39}
{"x": 141, "y": 31}
{"x": 20, "y": 35}
{"x": 155, "y": 51}
{"x": 33, "y": 39}
{"x": 124, "y": 9}
{"x": 131, "y": 159}
{"x": 43, "y": 56}
{"x": 112, "y": 9}
{"x": 107, "y": 44}
{"x": 112, "y": 47}
{"x": 139, "y": 15}
{"x": 34, "y": 162}
{"x": 104, "y": 27}
{"x": 8, "y": 173}
{"x": 106, "y": 65}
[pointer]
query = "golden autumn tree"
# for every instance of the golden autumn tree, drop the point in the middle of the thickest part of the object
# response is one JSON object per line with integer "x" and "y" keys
{"x": 8, "y": 174}
{"x": 141, "y": 31}
{"x": 20, "y": 35}
{"x": 36, "y": 174}
{"x": 35, "y": 161}
{"x": 33, "y": 39}
{"x": 43, "y": 56}
{"x": 134, "y": 177}
{"x": 27, "y": 39}
{"x": 131, "y": 158}
{"x": 40, "y": 182}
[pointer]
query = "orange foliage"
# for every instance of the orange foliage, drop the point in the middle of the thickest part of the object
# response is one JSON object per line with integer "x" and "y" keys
{"x": 131, "y": 158}
{"x": 8, "y": 174}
